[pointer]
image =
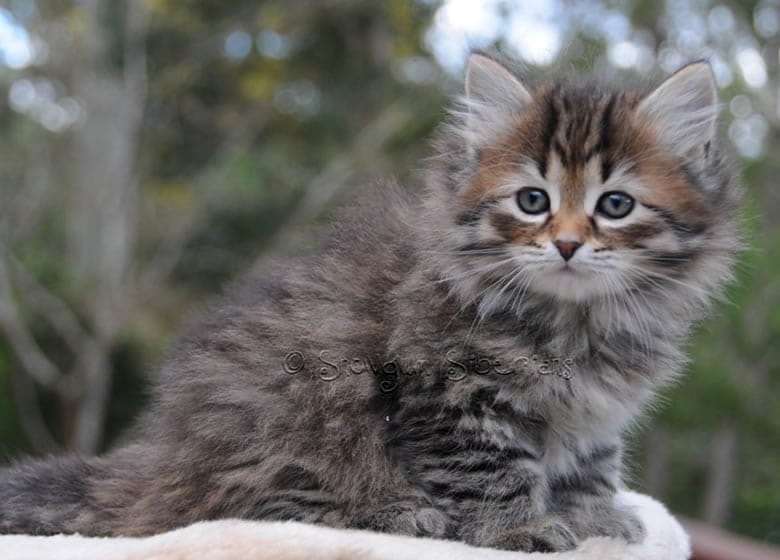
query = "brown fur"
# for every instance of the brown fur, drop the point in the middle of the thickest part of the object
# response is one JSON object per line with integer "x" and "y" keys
{"x": 390, "y": 420}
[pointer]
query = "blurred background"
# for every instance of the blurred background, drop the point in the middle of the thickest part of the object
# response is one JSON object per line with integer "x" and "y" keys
{"x": 150, "y": 150}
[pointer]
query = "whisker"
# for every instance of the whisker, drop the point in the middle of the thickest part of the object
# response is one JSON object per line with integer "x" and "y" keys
{"x": 479, "y": 270}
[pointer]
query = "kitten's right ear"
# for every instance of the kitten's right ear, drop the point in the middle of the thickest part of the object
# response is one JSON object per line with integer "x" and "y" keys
{"x": 493, "y": 97}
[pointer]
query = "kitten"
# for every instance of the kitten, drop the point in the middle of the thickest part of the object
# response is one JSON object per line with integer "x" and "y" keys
{"x": 460, "y": 365}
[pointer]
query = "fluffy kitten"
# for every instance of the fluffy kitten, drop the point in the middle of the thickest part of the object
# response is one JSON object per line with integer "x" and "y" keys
{"x": 458, "y": 366}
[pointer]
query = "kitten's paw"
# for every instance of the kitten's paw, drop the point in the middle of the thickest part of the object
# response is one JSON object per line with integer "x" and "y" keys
{"x": 407, "y": 519}
{"x": 615, "y": 523}
{"x": 628, "y": 526}
{"x": 548, "y": 535}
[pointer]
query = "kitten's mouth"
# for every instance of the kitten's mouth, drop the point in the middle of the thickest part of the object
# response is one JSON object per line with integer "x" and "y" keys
{"x": 568, "y": 268}
{"x": 573, "y": 271}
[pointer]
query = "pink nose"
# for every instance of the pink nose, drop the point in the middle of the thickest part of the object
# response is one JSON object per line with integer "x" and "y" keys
{"x": 567, "y": 248}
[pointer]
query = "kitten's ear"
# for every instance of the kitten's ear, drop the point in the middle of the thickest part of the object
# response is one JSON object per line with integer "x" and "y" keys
{"x": 493, "y": 96}
{"x": 684, "y": 108}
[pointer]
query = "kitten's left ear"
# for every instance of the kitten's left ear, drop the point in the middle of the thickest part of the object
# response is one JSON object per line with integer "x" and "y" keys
{"x": 493, "y": 96}
{"x": 684, "y": 108}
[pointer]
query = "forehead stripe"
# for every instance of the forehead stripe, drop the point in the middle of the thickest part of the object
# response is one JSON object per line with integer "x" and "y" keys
{"x": 605, "y": 138}
{"x": 551, "y": 126}
{"x": 561, "y": 152}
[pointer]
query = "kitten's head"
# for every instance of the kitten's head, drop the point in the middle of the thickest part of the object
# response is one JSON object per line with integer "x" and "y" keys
{"x": 580, "y": 192}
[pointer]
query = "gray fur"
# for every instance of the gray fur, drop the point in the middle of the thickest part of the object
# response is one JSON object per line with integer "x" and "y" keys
{"x": 440, "y": 438}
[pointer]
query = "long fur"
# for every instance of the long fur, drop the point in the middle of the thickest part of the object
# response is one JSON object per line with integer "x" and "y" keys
{"x": 438, "y": 369}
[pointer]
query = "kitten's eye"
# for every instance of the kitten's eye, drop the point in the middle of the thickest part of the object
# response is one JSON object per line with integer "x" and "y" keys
{"x": 532, "y": 200}
{"x": 615, "y": 204}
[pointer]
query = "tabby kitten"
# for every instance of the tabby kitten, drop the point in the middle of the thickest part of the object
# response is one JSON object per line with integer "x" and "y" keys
{"x": 460, "y": 365}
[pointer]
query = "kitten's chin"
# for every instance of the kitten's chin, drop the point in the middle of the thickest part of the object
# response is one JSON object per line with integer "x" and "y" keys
{"x": 569, "y": 285}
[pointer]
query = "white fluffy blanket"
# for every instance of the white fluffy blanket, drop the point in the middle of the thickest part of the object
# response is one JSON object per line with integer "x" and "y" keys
{"x": 255, "y": 540}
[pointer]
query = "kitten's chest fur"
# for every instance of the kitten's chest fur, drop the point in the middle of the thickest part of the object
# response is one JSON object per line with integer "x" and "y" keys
{"x": 479, "y": 454}
{"x": 584, "y": 371}
{"x": 513, "y": 404}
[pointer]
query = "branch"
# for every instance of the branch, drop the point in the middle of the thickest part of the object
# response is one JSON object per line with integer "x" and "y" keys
{"x": 55, "y": 310}
{"x": 335, "y": 178}
{"x": 31, "y": 416}
{"x": 22, "y": 211}
{"x": 90, "y": 415}
{"x": 27, "y": 351}
{"x": 157, "y": 271}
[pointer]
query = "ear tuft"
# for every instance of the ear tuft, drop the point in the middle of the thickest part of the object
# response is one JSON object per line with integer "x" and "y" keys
{"x": 493, "y": 96}
{"x": 684, "y": 108}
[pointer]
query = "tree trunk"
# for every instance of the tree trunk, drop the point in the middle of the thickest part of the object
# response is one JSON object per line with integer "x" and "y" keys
{"x": 720, "y": 482}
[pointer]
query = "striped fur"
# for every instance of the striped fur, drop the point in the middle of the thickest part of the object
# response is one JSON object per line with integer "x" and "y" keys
{"x": 440, "y": 369}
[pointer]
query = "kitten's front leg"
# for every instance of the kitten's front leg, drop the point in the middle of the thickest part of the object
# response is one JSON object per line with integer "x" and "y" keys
{"x": 404, "y": 516}
{"x": 545, "y": 533}
{"x": 512, "y": 514}
{"x": 597, "y": 517}
{"x": 585, "y": 498}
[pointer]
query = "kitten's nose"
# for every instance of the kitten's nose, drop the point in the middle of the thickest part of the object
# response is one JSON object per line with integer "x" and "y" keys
{"x": 567, "y": 248}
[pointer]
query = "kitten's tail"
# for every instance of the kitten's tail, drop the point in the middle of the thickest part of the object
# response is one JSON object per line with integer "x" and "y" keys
{"x": 52, "y": 496}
